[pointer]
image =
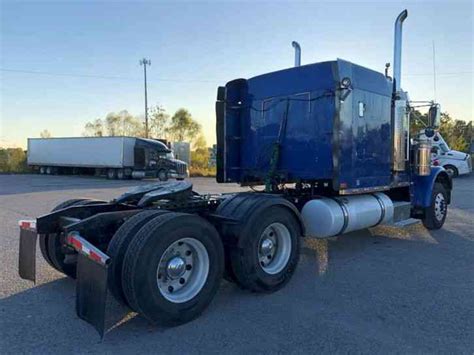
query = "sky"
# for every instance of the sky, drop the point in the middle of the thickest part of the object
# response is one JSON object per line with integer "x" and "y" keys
{"x": 64, "y": 63}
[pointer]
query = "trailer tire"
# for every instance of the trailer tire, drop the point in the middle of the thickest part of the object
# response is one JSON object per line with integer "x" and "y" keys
{"x": 435, "y": 214}
{"x": 153, "y": 257}
{"x": 44, "y": 238}
{"x": 118, "y": 247}
{"x": 267, "y": 223}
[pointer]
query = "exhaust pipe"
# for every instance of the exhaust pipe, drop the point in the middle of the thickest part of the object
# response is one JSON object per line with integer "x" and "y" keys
{"x": 397, "y": 51}
{"x": 297, "y": 48}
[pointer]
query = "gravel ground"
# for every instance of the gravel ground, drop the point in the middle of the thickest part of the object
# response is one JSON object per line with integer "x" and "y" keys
{"x": 378, "y": 290}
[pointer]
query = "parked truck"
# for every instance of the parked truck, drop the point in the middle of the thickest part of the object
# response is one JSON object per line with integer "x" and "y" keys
{"x": 114, "y": 157}
{"x": 455, "y": 162}
{"x": 329, "y": 145}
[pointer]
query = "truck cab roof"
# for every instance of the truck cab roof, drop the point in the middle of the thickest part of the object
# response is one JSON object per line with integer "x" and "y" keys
{"x": 152, "y": 144}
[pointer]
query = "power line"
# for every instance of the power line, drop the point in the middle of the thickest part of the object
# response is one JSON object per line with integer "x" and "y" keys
{"x": 36, "y": 72}
{"x": 438, "y": 74}
{"x": 176, "y": 80}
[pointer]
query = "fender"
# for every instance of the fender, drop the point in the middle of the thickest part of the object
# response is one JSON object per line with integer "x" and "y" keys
{"x": 422, "y": 186}
{"x": 242, "y": 206}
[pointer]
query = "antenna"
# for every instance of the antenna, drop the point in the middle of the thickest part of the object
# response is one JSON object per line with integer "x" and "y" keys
{"x": 434, "y": 71}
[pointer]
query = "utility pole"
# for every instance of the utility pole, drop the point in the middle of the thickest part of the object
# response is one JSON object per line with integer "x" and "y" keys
{"x": 434, "y": 70}
{"x": 145, "y": 62}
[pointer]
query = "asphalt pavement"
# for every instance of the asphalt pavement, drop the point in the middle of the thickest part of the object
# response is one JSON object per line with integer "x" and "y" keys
{"x": 383, "y": 290}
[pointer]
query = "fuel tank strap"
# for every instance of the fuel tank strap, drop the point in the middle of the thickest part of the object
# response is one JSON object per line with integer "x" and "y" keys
{"x": 345, "y": 213}
{"x": 382, "y": 209}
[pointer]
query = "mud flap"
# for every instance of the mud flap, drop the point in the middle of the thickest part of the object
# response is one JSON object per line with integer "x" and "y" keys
{"x": 91, "y": 282}
{"x": 27, "y": 254}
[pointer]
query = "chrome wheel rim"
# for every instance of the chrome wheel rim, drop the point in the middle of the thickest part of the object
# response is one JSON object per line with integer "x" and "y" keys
{"x": 182, "y": 270}
{"x": 440, "y": 207}
{"x": 274, "y": 248}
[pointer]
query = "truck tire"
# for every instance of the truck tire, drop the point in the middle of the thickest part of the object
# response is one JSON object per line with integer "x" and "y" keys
{"x": 436, "y": 213}
{"x": 111, "y": 174}
{"x": 118, "y": 247}
{"x": 163, "y": 175}
{"x": 51, "y": 247}
{"x": 120, "y": 174}
{"x": 172, "y": 268}
{"x": 451, "y": 170}
{"x": 266, "y": 252}
{"x": 44, "y": 238}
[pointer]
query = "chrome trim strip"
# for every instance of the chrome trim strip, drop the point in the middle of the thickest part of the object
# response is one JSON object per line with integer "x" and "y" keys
{"x": 363, "y": 190}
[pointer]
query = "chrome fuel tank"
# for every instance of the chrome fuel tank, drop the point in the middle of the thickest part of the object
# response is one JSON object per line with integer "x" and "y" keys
{"x": 327, "y": 217}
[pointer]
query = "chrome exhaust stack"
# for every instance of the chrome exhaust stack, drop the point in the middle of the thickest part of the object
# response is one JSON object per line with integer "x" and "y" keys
{"x": 297, "y": 48}
{"x": 400, "y": 113}
{"x": 397, "y": 51}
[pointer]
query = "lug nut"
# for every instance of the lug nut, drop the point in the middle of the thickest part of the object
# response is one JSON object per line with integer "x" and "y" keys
{"x": 182, "y": 281}
{"x": 188, "y": 252}
{"x": 170, "y": 289}
{"x": 189, "y": 267}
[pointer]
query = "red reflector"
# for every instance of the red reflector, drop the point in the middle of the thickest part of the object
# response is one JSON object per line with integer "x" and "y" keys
{"x": 74, "y": 242}
{"x": 27, "y": 224}
{"x": 95, "y": 256}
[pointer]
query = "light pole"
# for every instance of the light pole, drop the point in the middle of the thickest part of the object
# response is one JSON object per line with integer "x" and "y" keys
{"x": 145, "y": 62}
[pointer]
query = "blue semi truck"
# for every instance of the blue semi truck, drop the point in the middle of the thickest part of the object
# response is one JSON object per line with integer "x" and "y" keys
{"x": 328, "y": 146}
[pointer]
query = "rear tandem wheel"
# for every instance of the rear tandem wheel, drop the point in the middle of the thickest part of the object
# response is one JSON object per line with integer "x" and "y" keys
{"x": 266, "y": 246}
{"x": 51, "y": 247}
{"x": 172, "y": 268}
{"x": 118, "y": 247}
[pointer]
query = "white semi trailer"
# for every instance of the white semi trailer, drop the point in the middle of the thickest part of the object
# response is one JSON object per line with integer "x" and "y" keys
{"x": 115, "y": 157}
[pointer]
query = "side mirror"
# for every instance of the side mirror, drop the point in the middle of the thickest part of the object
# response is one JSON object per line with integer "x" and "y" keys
{"x": 434, "y": 116}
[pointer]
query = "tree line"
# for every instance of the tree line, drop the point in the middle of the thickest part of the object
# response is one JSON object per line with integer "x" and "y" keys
{"x": 180, "y": 127}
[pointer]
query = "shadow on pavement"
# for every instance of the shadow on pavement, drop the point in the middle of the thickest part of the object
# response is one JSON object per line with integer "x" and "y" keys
{"x": 362, "y": 286}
